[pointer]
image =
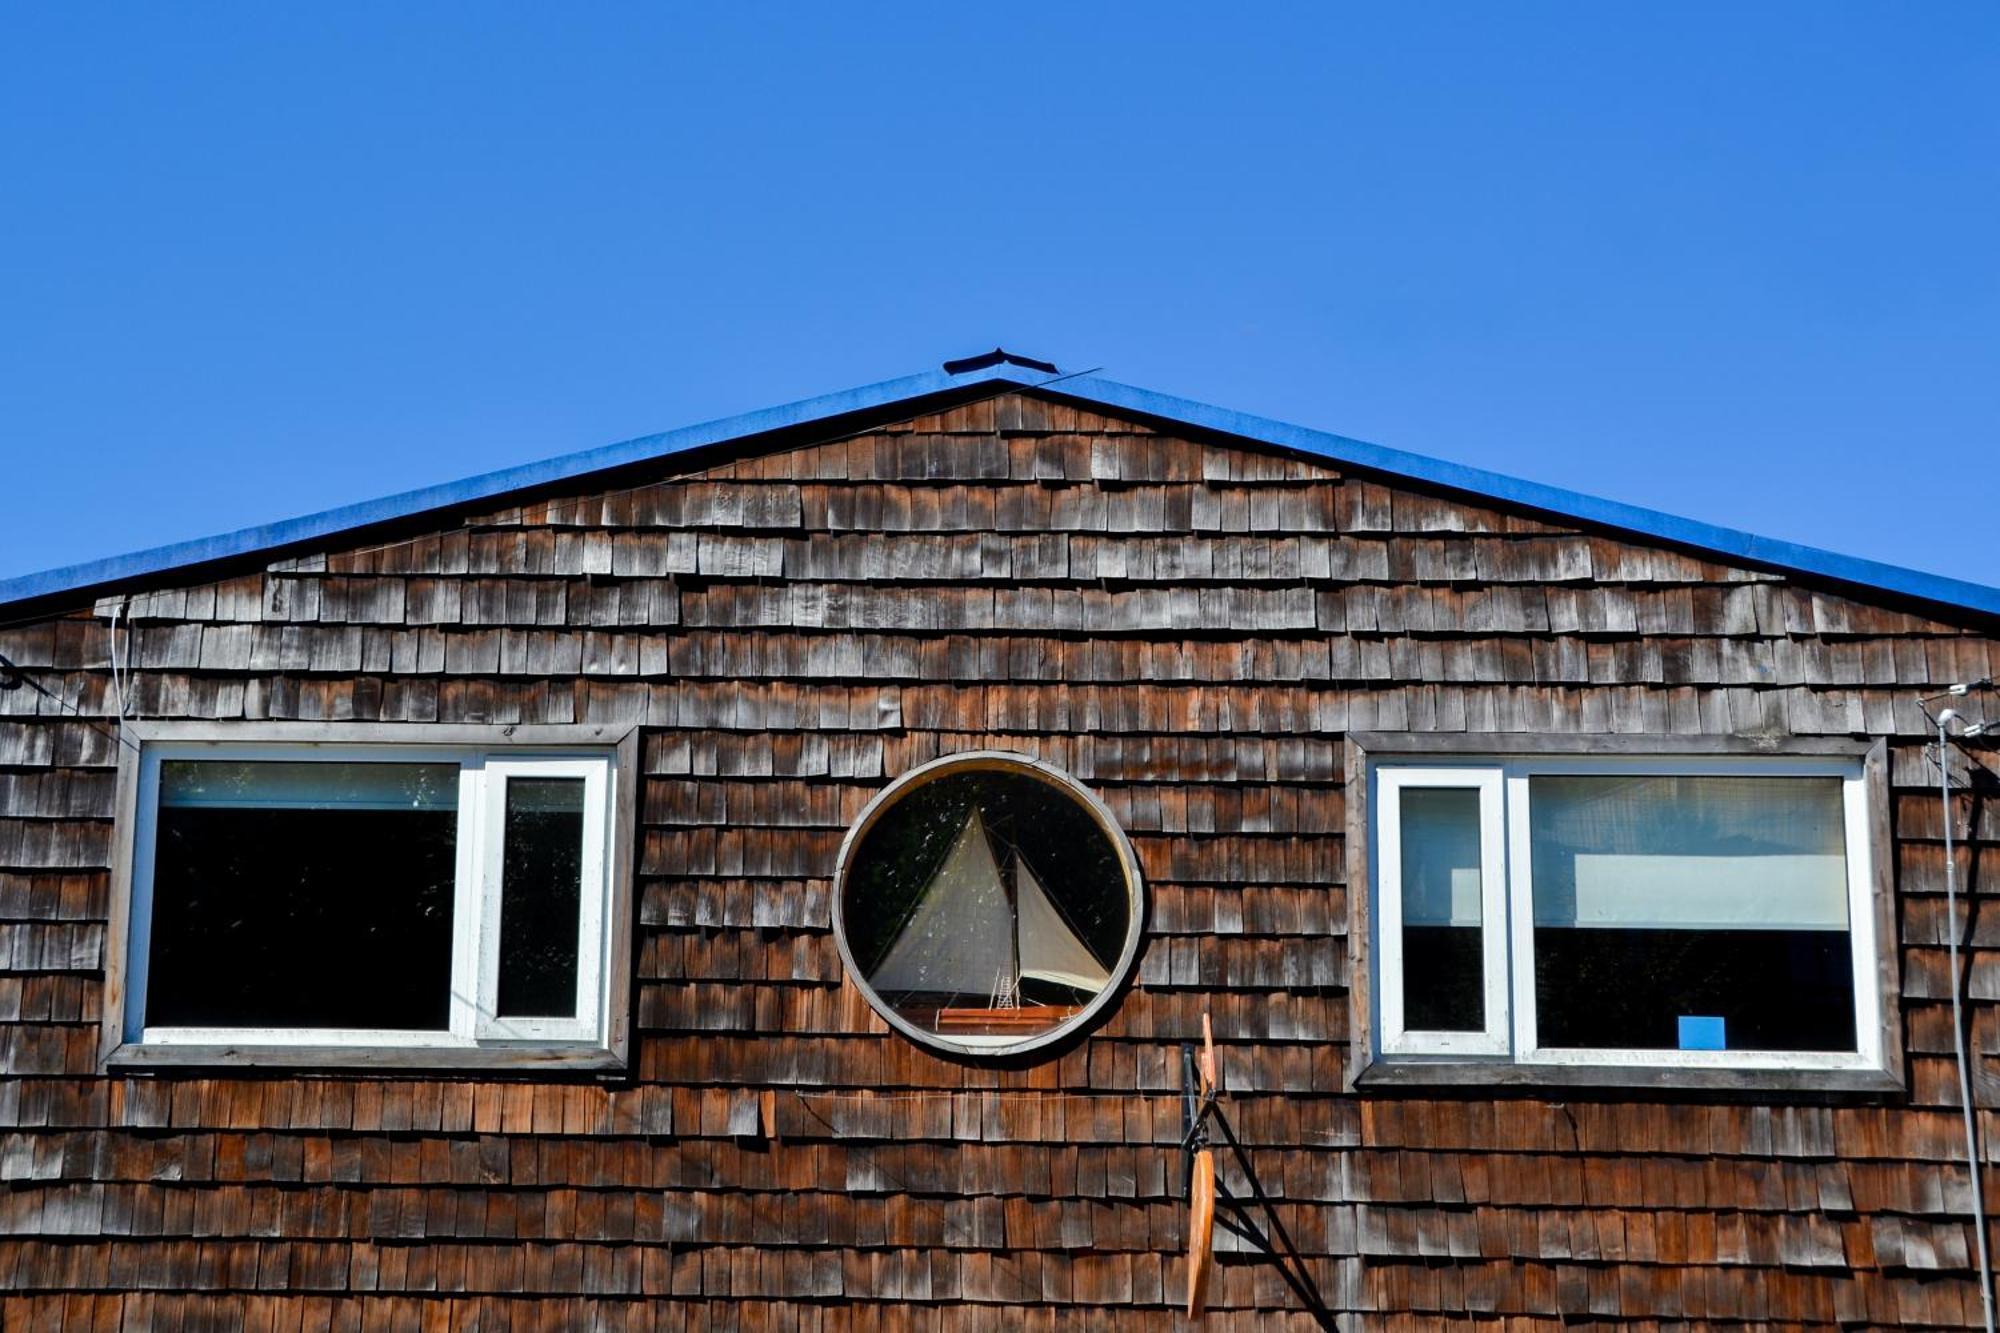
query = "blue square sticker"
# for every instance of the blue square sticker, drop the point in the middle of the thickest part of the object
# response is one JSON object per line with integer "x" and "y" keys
{"x": 1702, "y": 1033}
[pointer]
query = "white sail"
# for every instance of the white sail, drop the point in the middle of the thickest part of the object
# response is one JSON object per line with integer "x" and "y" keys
{"x": 1050, "y": 950}
{"x": 960, "y": 935}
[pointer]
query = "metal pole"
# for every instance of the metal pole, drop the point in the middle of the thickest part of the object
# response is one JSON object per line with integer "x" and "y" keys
{"x": 1972, "y": 1163}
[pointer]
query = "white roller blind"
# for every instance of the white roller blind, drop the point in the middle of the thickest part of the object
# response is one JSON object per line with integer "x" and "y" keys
{"x": 1688, "y": 853}
{"x": 1718, "y": 892}
{"x": 308, "y": 786}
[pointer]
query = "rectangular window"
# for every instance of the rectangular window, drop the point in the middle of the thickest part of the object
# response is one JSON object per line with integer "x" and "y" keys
{"x": 1563, "y": 910}
{"x": 338, "y": 897}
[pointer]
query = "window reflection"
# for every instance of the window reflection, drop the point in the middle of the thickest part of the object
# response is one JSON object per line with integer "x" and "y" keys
{"x": 1665, "y": 901}
{"x": 1444, "y": 984}
{"x": 303, "y": 895}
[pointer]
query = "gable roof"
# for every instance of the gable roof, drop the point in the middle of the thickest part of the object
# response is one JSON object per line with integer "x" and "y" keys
{"x": 980, "y": 376}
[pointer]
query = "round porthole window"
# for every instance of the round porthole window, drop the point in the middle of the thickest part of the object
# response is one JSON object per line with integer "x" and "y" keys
{"x": 988, "y": 903}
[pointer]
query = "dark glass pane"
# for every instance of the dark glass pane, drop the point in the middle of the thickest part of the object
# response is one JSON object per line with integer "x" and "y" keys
{"x": 541, "y": 896}
{"x": 1691, "y": 912}
{"x": 987, "y": 904}
{"x": 1443, "y": 979}
{"x": 309, "y": 895}
{"x": 1443, "y": 963}
{"x": 1775, "y": 990}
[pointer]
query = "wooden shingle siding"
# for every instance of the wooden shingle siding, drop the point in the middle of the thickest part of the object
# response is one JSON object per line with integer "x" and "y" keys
{"x": 1189, "y": 628}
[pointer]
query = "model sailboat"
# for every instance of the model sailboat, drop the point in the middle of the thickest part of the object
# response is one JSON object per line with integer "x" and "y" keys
{"x": 968, "y": 934}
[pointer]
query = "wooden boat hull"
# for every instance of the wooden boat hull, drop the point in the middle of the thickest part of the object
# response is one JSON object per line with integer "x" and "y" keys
{"x": 1027, "y": 1018}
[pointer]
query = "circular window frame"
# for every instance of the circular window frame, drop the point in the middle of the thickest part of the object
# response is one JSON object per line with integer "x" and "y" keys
{"x": 992, "y": 761}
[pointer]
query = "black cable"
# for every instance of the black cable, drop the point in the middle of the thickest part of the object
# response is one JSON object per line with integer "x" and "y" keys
{"x": 13, "y": 677}
{"x": 1957, "y": 691}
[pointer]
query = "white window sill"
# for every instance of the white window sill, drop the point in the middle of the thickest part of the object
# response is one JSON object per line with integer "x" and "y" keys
{"x": 1447, "y": 1073}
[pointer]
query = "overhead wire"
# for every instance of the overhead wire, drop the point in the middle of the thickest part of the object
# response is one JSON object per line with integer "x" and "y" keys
{"x": 14, "y": 676}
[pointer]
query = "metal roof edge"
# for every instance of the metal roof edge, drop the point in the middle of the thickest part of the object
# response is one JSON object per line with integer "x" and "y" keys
{"x": 488, "y": 485}
{"x": 1732, "y": 542}
{"x": 1728, "y": 542}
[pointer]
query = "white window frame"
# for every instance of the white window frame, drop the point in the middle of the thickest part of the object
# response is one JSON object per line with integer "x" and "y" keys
{"x": 487, "y": 757}
{"x": 585, "y": 1026}
{"x": 1515, "y": 923}
{"x": 1397, "y": 1037}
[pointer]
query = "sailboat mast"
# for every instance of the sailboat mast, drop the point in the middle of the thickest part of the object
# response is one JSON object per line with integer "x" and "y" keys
{"x": 1011, "y": 885}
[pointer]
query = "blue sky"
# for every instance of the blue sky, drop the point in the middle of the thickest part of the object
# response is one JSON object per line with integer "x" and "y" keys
{"x": 1731, "y": 261}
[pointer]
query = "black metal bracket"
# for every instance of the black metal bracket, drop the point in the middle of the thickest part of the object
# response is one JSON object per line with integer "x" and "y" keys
{"x": 1201, "y": 1109}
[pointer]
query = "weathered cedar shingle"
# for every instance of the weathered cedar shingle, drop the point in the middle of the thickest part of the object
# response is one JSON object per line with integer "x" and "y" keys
{"x": 1187, "y": 626}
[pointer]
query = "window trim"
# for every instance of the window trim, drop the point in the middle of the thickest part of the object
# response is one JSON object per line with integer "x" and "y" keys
{"x": 1878, "y": 1065}
{"x": 1397, "y": 1037}
{"x": 473, "y": 1042}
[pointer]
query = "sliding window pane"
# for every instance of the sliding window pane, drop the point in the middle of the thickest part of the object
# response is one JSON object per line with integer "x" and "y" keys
{"x": 541, "y": 893}
{"x": 1443, "y": 968}
{"x": 308, "y": 895}
{"x": 1692, "y": 913}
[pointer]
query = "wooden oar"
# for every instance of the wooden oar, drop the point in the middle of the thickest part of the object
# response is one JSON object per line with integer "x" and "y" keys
{"x": 1201, "y": 1188}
